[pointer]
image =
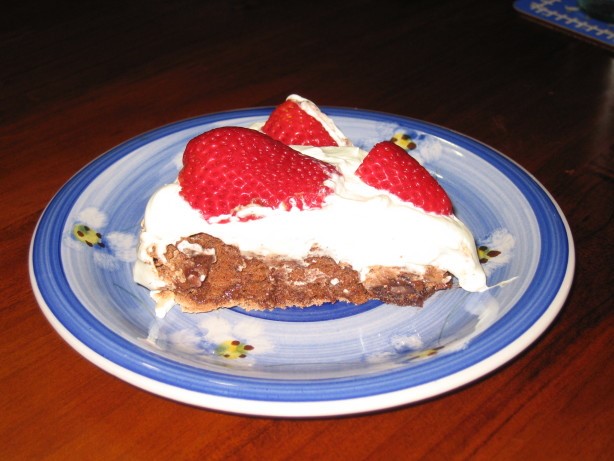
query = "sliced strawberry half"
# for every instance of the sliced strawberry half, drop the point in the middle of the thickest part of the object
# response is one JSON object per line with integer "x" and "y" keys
{"x": 298, "y": 121}
{"x": 389, "y": 167}
{"x": 232, "y": 167}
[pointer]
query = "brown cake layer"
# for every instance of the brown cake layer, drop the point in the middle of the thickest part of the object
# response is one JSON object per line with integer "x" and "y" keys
{"x": 211, "y": 275}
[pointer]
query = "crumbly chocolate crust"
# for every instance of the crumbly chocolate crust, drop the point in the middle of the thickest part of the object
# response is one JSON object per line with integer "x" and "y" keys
{"x": 219, "y": 275}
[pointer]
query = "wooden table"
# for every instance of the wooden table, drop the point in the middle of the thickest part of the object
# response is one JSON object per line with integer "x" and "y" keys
{"x": 77, "y": 80}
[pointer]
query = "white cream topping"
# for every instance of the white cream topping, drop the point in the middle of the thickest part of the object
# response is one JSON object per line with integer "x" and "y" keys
{"x": 358, "y": 225}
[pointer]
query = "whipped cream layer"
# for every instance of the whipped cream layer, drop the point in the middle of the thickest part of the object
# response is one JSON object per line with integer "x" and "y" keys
{"x": 358, "y": 225}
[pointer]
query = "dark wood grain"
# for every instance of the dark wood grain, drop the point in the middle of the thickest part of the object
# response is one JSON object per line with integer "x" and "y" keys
{"x": 76, "y": 80}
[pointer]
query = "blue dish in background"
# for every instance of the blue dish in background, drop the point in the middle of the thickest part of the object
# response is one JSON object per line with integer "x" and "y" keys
{"x": 320, "y": 361}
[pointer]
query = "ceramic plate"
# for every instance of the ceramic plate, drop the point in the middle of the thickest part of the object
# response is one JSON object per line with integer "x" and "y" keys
{"x": 329, "y": 360}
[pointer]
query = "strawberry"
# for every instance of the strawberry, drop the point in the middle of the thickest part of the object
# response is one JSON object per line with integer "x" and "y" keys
{"x": 232, "y": 167}
{"x": 290, "y": 124}
{"x": 389, "y": 167}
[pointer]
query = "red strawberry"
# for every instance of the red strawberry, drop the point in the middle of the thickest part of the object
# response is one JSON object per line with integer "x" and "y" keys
{"x": 290, "y": 124}
{"x": 227, "y": 168}
{"x": 389, "y": 167}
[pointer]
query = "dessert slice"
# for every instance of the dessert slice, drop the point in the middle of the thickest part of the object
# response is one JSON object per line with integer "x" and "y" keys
{"x": 253, "y": 222}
